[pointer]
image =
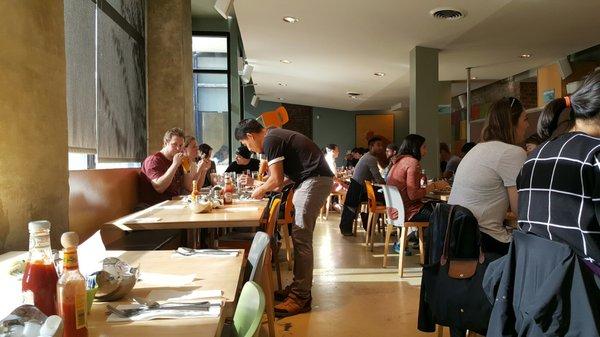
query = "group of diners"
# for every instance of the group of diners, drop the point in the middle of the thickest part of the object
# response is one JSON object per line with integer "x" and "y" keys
{"x": 549, "y": 182}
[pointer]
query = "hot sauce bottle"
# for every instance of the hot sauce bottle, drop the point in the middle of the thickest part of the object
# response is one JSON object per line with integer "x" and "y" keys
{"x": 39, "y": 276}
{"x": 228, "y": 191}
{"x": 195, "y": 193}
{"x": 72, "y": 298}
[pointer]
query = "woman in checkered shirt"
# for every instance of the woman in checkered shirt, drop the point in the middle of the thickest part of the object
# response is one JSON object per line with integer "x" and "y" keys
{"x": 559, "y": 184}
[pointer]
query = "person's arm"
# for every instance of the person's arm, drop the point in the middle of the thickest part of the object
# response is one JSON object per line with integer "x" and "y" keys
{"x": 374, "y": 168}
{"x": 199, "y": 174}
{"x": 163, "y": 182}
{"x": 275, "y": 181}
{"x": 413, "y": 183}
{"x": 513, "y": 199}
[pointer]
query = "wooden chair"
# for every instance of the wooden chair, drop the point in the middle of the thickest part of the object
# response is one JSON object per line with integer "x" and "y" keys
{"x": 286, "y": 217}
{"x": 394, "y": 199}
{"x": 375, "y": 212}
{"x": 327, "y": 206}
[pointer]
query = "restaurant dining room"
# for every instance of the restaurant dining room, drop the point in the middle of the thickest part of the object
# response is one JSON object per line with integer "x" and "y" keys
{"x": 300, "y": 168}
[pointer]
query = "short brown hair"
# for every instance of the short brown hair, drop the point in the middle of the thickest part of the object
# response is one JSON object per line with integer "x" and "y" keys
{"x": 172, "y": 133}
{"x": 502, "y": 120}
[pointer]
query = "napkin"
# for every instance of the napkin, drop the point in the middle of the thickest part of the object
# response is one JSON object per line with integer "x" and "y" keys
{"x": 214, "y": 311}
{"x": 194, "y": 296}
{"x": 166, "y": 279}
{"x": 143, "y": 220}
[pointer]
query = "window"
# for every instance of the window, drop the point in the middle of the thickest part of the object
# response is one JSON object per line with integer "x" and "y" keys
{"x": 211, "y": 94}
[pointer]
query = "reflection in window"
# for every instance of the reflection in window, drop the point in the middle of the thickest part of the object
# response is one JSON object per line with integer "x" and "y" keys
{"x": 211, "y": 95}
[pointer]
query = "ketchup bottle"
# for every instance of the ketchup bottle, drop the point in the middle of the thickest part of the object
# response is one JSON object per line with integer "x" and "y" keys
{"x": 39, "y": 276}
{"x": 72, "y": 297}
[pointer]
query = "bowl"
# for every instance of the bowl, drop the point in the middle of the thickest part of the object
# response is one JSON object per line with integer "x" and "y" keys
{"x": 115, "y": 280}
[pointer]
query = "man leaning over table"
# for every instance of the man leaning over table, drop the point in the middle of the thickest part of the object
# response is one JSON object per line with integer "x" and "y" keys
{"x": 295, "y": 156}
{"x": 162, "y": 177}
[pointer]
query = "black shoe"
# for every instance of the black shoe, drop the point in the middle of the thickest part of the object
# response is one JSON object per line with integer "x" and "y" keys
{"x": 347, "y": 234}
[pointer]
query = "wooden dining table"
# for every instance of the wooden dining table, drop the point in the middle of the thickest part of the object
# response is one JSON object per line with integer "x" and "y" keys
{"x": 176, "y": 214}
{"x": 211, "y": 273}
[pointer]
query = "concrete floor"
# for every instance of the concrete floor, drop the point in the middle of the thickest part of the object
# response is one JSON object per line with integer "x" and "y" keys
{"x": 352, "y": 294}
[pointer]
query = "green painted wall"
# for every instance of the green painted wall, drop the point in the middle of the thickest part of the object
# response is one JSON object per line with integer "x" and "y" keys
{"x": 331, "y": 125}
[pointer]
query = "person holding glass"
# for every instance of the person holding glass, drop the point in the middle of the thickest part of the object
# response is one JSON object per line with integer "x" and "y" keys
{"x": 163, "y": 176}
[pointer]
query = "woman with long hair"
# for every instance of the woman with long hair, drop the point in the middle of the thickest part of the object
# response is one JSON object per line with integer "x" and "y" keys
{"x": 406, "y": 175}
{"x": 559, "y": 185}
{"x": 485, "y": 181}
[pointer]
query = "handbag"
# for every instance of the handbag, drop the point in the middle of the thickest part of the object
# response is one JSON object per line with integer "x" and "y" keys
{"x": 452, "y": 288}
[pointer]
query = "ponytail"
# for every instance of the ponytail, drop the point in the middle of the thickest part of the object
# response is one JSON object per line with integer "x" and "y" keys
{"x": 583, "y": 103}
{"x": 548, "y": 121}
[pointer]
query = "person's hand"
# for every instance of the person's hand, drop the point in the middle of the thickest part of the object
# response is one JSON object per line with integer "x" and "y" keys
{"x": 205, "y": 165}
{"x": 392, "y": 213}
{"x": 245, "y": 180}
{"x": 258, "y": 194}
{"x": 177, "y": 159}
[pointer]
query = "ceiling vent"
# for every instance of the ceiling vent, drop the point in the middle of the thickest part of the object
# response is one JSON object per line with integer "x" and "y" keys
{"x": 353, "y": 95}
{"x": 447, "y": 13}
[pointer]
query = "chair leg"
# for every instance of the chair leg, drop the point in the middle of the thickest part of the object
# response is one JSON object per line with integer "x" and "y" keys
{"x": 268, "y": 288}
{"x": 386, "y": 247}
{"x": 288, "y": 246}
{"x": 402, "y": 238}
{"x": 277, "y": 269}
{"x": 376, "y": 223}
{"x": 421, "y": 247}
{"x": 369, "y": 220}
{"x": 327, "y": 206}
{"x": 440, "y": 331}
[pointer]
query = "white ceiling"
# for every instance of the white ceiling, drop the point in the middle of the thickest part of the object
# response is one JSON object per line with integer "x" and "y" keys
{"x": 338, "y": 45}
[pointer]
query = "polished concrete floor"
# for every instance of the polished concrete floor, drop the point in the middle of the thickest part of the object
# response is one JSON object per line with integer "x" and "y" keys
{"x": 352, "y": 294}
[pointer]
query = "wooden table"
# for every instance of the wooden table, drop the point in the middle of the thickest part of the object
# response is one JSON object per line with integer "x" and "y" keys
{"x": 212, "y": 272}
{"x": 438, "y": 196}
{"x": 174, "y": 214}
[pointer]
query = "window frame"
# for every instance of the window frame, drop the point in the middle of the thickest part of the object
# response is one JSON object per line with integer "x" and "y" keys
{"x": 215, "y": 71}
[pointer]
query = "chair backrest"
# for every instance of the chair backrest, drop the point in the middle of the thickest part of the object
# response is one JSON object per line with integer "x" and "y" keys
{"x": 286, "y": 215}
{"x": 394, "y": 199}
{"x": 249, "y": 310}
{"x": 258, "y": 249}
{"x": 371, "y": 195}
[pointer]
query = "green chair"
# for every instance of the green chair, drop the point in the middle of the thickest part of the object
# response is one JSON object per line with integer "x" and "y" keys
{"x": 249, "y": 311}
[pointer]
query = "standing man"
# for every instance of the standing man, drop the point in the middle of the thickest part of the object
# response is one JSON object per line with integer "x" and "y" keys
{"x": 292, "y": 154}
{"x": 161, "y": 176}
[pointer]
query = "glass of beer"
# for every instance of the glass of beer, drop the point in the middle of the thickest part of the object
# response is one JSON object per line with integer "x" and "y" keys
{"x": 185, "y": 163}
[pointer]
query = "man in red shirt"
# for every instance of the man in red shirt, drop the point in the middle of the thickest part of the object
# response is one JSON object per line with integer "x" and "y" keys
{"x": 161, "y": 176}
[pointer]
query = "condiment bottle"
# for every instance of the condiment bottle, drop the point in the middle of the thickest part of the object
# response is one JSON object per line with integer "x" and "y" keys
{"x": 195, "y": 193}
{"x": 39, "y": 276}
{"x": 228, "y": 191}
{"x": 72, "y": 297}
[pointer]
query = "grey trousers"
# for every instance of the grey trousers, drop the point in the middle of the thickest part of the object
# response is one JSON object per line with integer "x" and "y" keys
{"x": 309, "y": 196}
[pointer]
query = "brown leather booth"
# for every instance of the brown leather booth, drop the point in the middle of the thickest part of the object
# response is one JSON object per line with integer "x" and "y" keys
{"x": 99, "y": 196}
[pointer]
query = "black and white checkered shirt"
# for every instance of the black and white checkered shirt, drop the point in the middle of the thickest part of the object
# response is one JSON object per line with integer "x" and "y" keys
{"x": 559, "y": 193}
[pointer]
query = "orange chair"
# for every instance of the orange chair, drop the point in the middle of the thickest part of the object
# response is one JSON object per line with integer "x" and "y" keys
{"x": 286, "y": 217}
{"x": 375, "y": 212}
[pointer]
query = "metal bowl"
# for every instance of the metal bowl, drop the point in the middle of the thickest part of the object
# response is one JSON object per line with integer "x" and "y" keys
{"x": 115, "y": 280}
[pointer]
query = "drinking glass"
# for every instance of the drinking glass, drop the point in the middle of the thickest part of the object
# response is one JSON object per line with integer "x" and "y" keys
{"x": 185, "y": 163}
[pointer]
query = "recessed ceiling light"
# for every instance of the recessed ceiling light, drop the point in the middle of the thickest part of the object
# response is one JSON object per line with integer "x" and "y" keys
{"x": 473, "y": 78}
{"x": 282, "y": 84}
{"x": 280, "y": 98}
{"x": 525, "y": 56}
{"x": 285, "y": 61}
{"x": 291, "y": 19}
{"x": 379, "y": 74}
{"x": 353, "y": 95}
{"x": 447, "y": 13}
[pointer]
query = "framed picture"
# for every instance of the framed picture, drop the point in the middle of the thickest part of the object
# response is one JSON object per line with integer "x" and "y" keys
{"x": 368, "y": 126}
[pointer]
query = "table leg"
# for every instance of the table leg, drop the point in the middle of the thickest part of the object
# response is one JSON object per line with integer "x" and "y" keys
{"x": 193, "y": 238}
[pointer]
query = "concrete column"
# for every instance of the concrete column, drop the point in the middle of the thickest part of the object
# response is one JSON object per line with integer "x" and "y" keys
{"x": 169, "y": 58}
{"x": 423, "y": 104}
{"x": 33, "y": 120}
{"x": 444, "y": 119}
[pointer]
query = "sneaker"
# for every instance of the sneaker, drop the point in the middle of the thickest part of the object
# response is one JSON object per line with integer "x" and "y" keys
{"x": 396, "y": 248}
{"x": 281, "y": 295}
{"x": 291, "y": 307}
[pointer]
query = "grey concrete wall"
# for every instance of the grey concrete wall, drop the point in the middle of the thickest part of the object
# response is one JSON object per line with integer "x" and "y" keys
{"x": 33, "y": 120}
{"x": 169, "y": 59}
